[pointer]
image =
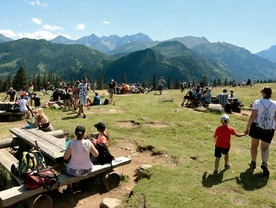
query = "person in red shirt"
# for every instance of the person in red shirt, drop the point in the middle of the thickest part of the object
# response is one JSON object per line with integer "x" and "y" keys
{"x": 222, "y": 137}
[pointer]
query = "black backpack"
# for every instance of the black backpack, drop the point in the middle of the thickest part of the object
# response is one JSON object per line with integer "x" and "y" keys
{"x": 104, "y": 155}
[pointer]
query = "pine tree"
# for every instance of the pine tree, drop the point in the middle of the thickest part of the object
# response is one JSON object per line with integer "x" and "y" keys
{"x": 7, "y": 83}
{"x": 125, "y": 78}
{"x": 20, "y": 80}
{"x": 170, "y": 84}
{"x": 154, "y": 85}
{"x": 177, "y": 84}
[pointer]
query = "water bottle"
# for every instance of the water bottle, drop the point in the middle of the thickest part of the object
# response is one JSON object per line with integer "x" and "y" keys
{"x": 67, "y": 142}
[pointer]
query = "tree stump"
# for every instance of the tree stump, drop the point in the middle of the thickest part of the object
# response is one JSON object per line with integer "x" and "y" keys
{"x": 110, "y": 180}
{"x": 39, "y": 201}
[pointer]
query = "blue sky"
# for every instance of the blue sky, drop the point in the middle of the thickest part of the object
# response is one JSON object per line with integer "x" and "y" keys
{"x": 245, "y": 23}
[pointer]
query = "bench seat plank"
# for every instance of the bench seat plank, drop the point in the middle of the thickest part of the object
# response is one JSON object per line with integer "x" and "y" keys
{"x": 6, "y": 160}
{"x": 13, "y": 195}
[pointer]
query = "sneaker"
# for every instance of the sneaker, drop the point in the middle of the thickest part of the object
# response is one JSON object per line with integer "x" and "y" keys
{"x": 215, "y": 172}
{"x": 227, "y": 166}
{"x": 252, "y": 165}
{"x": 182, "y": 104}
{"x": 84, "y": 116}
{"x": 265, "y": 169}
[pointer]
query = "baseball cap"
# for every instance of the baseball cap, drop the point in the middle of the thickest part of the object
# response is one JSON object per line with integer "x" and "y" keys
{"x": 80, "y": 129}
{"x": 225, "y": 118}
{"x": 100, "y": 126}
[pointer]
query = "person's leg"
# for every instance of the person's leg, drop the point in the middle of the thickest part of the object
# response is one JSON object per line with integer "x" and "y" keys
{"x": 264, "y": 151}
{"x": 226, "y": 159}
{"x": 254, "y": 149}
{"x": 265, "y": 154}
{"x": 216, "y": 165}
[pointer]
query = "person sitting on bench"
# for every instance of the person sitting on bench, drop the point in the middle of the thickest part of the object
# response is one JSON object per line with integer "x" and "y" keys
{"x": 223, "y": 100}
{"x": 78, "y": 151}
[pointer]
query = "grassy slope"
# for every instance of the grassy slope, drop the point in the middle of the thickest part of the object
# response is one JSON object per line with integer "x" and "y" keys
{"x": 187, "y": 134}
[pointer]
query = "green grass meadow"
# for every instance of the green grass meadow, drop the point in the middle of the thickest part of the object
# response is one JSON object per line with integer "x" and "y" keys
{"x": 186, "y": 136}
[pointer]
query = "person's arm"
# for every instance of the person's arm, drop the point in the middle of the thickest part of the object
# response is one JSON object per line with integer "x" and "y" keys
{"x": 5, "y": 98}
{"x": 252, "y": 118}
{"x": 94, "y": 151}
{"x": 240, "y": 135}
{"x": 67, "y": 153}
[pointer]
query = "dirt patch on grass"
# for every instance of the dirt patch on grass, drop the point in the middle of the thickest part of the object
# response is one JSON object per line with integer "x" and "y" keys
{"x": 124, "y": 147}
{"x": 157, "y": 124}
{"x": 127, "y": 124}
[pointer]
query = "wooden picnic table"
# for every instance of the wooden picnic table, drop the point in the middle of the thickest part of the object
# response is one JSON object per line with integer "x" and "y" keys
{"x": 50, "y": 146}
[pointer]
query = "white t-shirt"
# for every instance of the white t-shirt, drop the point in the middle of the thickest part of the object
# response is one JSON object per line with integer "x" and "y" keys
{"x": 257, "y": 105}
{"x": 80, "y": 154}
{"x": 83, "y": 90}
{"x": 23, "y": 105}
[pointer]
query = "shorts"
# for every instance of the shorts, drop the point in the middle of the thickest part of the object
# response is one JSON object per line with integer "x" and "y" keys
{"x": 160, "y": 88}
{"x": 256, "y": 134}
{"x": 80, "y": 172}
{"x": 111, "y": 91}
{"x": 83, "y": 100}
{"x": 219, "y": 151}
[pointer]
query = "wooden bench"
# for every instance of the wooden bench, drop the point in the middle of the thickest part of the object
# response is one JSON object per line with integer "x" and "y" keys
{"x": 16, "y": 194}
{"x": 7, "y": 160}
{"x": 10, "y": 116}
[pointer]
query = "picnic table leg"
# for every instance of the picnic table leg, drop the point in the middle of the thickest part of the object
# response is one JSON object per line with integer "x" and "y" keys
{"x": 110, "y": 180}
{"x": 39, "y": 201}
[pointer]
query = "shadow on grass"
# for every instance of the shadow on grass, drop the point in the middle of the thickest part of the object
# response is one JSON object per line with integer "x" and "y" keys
{"x": 211, "y": 180}
{"x": 250, "y": 181}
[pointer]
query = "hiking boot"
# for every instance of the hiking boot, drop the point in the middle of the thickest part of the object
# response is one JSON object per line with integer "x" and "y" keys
{"x": 252, "y": 165}
{"x": 227, "y": 166}
{"x": 265, "y": 169}
{"x": 215, "y": 172}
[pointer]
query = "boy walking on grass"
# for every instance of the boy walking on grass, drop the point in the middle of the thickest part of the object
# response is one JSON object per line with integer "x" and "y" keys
{"x": 222, "y": 136}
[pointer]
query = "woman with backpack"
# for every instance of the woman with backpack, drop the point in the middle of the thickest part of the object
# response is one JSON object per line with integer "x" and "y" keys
{"x": 261, "y": 126}
{"x": 78, "y": 151}
{"x": 101, "y": 143}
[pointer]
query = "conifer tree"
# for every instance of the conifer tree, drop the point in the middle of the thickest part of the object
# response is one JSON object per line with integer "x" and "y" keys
{"x": 7, "y": 83}
{"x": 154, "y": 85}
{"x": 20, "y": 80}
{"x": 177, "y": 84}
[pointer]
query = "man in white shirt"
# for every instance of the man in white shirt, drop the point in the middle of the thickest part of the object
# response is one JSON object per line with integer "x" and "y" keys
{"x": 83, "y": 92}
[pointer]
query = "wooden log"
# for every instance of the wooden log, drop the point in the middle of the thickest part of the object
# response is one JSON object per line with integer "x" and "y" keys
{"x": 15, "y": 141}
{"x": 110, "y": 180}
{"x": 39, "y": 201}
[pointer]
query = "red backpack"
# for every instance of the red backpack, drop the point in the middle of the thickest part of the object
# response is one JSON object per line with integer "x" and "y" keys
{"x": 37, "y": 178}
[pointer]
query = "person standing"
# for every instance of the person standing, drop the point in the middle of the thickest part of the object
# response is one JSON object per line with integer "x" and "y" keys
{"x": 78, "y": 151}
{"x": 31, "y": 91}
{"x": 111, "y": 90}
{"x": 222, "y": 137}
{"x": 83, "y": 92}
{"x": 161, "y": 83}
{"x": 263, "y": 111}
{"x": 12, "y": 93}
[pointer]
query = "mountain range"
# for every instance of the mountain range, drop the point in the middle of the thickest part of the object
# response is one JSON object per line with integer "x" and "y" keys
{"x": 137, "y": 57}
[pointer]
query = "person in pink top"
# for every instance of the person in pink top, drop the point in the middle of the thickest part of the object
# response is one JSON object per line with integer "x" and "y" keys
{"x": 78, "y": 151}
{"x": 102, "y": 138}
{"x": 222, "y": 137}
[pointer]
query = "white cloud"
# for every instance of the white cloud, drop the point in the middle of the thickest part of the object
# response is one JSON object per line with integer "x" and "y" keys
{"x": 105, "y": 22}
{"x": 8, "y": 33}
{"x": 38, "y": 3}
{"x": 51, "y": 27}
{"x": 81, "y": 26}
{"x": 41, "y": 34}
{"x": 36, "y": 20}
